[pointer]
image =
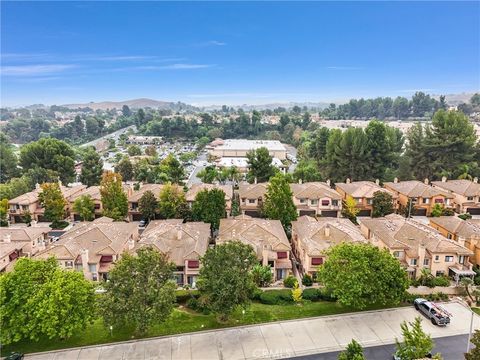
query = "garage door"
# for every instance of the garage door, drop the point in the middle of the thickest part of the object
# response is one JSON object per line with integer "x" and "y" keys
{"x": 329, "y": 213}
{"x": 307, "y": 212}
{"x": 252, "y": 213}
{"x": 419, "y": 212}
{"x": 364, "y": 213}
{"x": 473, "y": 211}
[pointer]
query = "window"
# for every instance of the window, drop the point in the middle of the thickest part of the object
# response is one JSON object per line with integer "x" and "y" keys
{"x": 325, "y": 202}
{"x": 413, "y": 261}
{"x": 335, "y": 202}
{"x": 282, "y": 255}
{"x": 426, "y": 200}
{"x": 281, "y": 273}
{"x": 92, "y": 268}
{"x": 69, "y": 264}
{"x": 251, "y": 201}
{"x": 369, "y": 201}
{"x": 461, "y": 259}
{"x": 302, "y": 201}
{"x": 314, "y": 202}
{"x": 448, "y": 258}
{"x": 178, "y": 278}
{"x": 317, "y": 261}
{"x": 426, "y": 262}
{"x": 244, "y": 199}
{"x": 396, "y": 254}
{"x": 439, "y": 273}
{"x": 438, "y": 201}
{"x": 358, "y": 200}
{"x": 470, "y": 198}
{"x": 193, "y": 264}
{"x": 134, "y": 205}
{"x": 437, "y": 257}
{"x": 449, "y": 236}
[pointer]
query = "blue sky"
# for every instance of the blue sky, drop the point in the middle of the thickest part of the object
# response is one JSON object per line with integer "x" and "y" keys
{"x": 235, "y": 53}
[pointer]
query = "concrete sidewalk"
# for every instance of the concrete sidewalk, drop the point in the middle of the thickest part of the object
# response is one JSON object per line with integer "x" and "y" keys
{"x": 274, "y": 340}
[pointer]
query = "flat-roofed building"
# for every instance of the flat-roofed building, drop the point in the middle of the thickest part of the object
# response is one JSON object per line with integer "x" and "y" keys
{"x": 183, "y": 243}
{"x": 423, "y": 197}
{"x": 240, "y": 148}
{"x": 316, "y": 199}
{"x": 267, "y": 238}
{"x": 311, "y": 238}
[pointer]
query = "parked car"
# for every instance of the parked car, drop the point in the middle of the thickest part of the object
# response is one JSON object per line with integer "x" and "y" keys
{"x": 397, "y": 357}
{"x": 14, "y": 356}
{"x": 142, "y": 223}
{"x": 436, "y": 314}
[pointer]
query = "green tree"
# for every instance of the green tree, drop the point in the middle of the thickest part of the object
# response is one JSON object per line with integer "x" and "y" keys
{"x": 140, "y": 291}
{"x": 437, "y": 210}
{"x": 49, "y": 154}
{"x": 259, "y": 165}
{"x": 172, "y": 201}
{"x": 53, "y": 202}
{"x": 350, "y": 209}
{"x": 125, "y": 169}
{"x": 262, "y": 275}
{"x": 279, "y": 201}
{"x": 92, "y": 168}
{"x": 126, "y": 111}
{"x": 209, "y": 206}
{"x": 474, "y": 353}
{"x": 39, "y": 299}
{"x": 354, "y": 351}
{"x": 3, "y": 212}
{"x": 173, "y": 170}
{"x": 362, "y": 274}
{"x": 416, "y": 343}
{"x": 16, "y": 187}
{"x": 208, "y": 175}
{"x": 382, "y": 204}
{"x": 235, "y": 207}
{"x": 148, "y": 205}
{"x": 134, "y": 150}
{"x": 114, "y": 199}
{"x": 85, "y": 207}
{"x": 227, "y": 287}
{"x": 151, "y": 150}
{"x": 307, "y": 171}
{"x": 8, "y": 162}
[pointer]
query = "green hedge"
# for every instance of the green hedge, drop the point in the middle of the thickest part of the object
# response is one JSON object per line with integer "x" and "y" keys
{"x": 275, "y": 297}
{"x": 184, "y": 295}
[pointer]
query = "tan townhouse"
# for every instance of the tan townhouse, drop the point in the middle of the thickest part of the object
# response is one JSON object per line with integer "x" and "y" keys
{"x": 94, "y": 193}
{"x": 267, "y": 238}
{"x": 30, "y": 203}
{"x": 418, "y": 246}
{"x": 183, "y": 243}
{"x": 423, "y": 197}
{"x": 251, "y": 197}
{"x": 311, "y": 238}
{"x": 316, "y": 199}
{"x": 362, "y": 192}
{"x": 93, "y": 247}
{"x": 18, "y": 242}
{"x": 135, "y": 195}
{"x": 196, "y": 188}
{"x": 466, "y": 194}
{"x": 465, "y": 232}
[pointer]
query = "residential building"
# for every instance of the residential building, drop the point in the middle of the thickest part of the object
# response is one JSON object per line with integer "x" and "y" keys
{"x": 183, "y": 243}
{"x": 423, "y": 197}
{"x": 312, "y": 237}
{"x": 316, "y": 199}
{"x": 240, "y": 148}
{"x": 465, "y": 232}
{"x": 196, "y": 188}
{"x": 94, "y": 193}
{"x": 29, "y": 202}
{"x": 266, "y": 237}
{"x": 418, "y": 246}
{"x": 93, "y": 247}
{"x": 135, "y": 195}
{"x": 251, "y": 198}
{"x": 466, "y": 194}
{"x": 362, "y": 192}
{"x": 18, "y": 242}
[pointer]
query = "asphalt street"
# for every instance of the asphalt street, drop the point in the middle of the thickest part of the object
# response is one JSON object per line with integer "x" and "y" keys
{"x": 451, "y": 348}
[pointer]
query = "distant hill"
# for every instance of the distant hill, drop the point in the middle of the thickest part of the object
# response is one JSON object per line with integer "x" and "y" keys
{"x": 134, "y": 104}
{"x": 456, "y": 99}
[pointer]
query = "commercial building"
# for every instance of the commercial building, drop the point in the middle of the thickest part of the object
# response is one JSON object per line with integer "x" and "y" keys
{"x": 236, "y": 148}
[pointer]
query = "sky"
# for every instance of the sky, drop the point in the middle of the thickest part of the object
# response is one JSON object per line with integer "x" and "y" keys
{"x": 236, "y": 52}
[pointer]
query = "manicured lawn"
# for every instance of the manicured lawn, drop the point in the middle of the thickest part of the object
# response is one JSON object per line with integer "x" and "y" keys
{"x": 184, "y": 320}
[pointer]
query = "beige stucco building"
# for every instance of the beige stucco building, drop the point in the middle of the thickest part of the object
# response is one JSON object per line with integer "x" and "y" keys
{"x": 466, "y": 194}
{"x": 316, "y": 199}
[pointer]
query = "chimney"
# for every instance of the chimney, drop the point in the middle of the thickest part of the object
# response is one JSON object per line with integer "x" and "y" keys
{"x": 444, "y": 179}
{"x": 255, "y": 182}
{"x": 328, "y": 182}
{"x": 299, "y": 181}
{"x": 426, "y": 181}
{"x": 7, "y": 238}
{"x": 377, "y": 181}
{"x": 395, "y": 180}
{"x": 179, "y": 233}
{"x": 475, "y": 180}
{"x": 461, "y": 241}
{"x": 84, "y": 256}
{"x": 131, "y": 244}
{"x": 327, "y": 230}
{"x": 348, "y": 181}
{"x": 37, "y": 186}
{"x": 33, "y": 223}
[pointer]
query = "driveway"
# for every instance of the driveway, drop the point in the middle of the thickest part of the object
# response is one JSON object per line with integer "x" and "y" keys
{"x": 274, "y": 340}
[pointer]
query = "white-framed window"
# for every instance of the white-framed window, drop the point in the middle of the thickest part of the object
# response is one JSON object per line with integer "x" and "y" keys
{"x": 396, "y": 254}
{"x": 92, "y": 268}
{"x": 437, "y": 257}
{"x": 369, "y": 201}
{"x": 314, "y": 202}
{"x": 470, "y": 198}
{"x": 461, "y": 259}
{"x": 426, "y": 262}
{"x": 426, "y": 200}
{"x": 69, "y": 264}
{"x": 448, "y": 258}
{"x": 413, "y": 261}
{"x": 251, "y": 201}
{"x": 358, "y": 200}
{"x": 303, "y": 201}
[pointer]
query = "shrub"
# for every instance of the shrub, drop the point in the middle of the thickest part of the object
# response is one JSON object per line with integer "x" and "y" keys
{"x": 297, "y": 294}
{"x": 465, "y": 216}
{"x": 256, "y": 294}
{"x": 275, "y": 297}
{"x": 307, "y": 280}
{"x": 441, "y": 281}
{"x": 198, "y": 304}
{"x": 184, "y": 295}
{"x": 262, "y": 275}
{"x": 326, "y": 295}
{"x": 312, "y": 294}
{"x": 290, "y": 282}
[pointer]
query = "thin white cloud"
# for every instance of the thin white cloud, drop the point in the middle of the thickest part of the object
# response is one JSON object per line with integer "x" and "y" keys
{"x": 415, "y": 90}
{"x": 122, "y": 58}
{"x": 344, "y": 67}
{"x": 179, "y": 66}
{"x": 210, "y": 43}
{"x": 34, "y": 70}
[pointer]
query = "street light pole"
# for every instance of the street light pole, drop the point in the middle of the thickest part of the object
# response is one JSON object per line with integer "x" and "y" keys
{"x": 470, "y": 331}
